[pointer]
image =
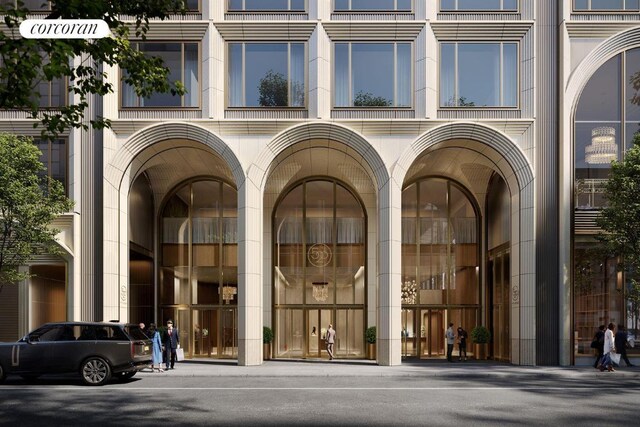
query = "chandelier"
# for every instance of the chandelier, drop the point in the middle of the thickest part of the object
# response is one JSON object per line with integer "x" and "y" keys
{"x": 228, "y": 292}
{"x": 320, "y": 291}
{"x": 603, "y": 148}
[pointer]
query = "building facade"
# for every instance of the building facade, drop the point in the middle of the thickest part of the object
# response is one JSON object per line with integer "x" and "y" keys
{"x": 403, "y": 164}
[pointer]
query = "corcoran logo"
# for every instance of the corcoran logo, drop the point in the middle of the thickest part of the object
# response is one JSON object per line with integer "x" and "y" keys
{"x": 64, "y": 29}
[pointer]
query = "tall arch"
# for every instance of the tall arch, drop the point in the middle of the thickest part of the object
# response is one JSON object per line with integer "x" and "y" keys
{"x": 514, "y": 166}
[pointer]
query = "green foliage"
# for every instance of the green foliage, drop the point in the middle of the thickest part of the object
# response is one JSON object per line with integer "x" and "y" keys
{"x": 25, "y": 63}
{"x": 267, "y": 335}
{"x": 370, "y": 335}
{"x": 460, "y": 102}
{"x": 274, "y": 90}
{"x": 480, "y": 335}
{"x": 367, "y": 99}
{"x": 29, "y": 202}
{"x": 620, "y": 220}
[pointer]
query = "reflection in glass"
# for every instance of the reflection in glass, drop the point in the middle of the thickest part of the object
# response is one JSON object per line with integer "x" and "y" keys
{"x": 266, "y": 5}
{"x": 471, "y": 5}
{"x": 373, "y": 74}
{"x": 479, "y": 75}
{"x": 365, "y": 5}
{"x": 266, "y": 75}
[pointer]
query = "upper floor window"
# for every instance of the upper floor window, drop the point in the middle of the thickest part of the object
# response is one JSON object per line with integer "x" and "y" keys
{"x": 478, "y": 75}
{"x": 54, "y": 157}
{"x": 35, "y": 5}
{"x": 606, "y": 5}
{"x": 459, "y": 5}
{"x": 373, "y": 75}
{"x": 182, "y": 60}
{"x": 266, "y": 5}
{"x": 370, "y": 5}
{"x": 266, "y": 75}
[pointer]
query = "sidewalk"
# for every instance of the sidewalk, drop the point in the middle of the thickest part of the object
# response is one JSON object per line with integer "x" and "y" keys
{"x": 366, "y": 368}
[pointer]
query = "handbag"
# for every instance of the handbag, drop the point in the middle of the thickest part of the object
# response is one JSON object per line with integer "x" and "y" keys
{"x": 615, "y": 358}
{"x": 179, "y": 354}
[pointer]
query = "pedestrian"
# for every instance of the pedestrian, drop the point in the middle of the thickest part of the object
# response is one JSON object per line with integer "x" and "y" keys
{"x": 609, "y": 347}
{"x": 620, "y": 341}
{"x": 451, "y": 339}
{"x": 598, "y": 345}
{"x": 172, "y": 343}
{"x": 331, "y": 339}
{"x": 462, "y": 343}
{"x": 156, "y": 348}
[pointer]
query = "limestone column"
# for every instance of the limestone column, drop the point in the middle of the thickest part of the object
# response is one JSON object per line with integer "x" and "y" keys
{"x": 249, "y": 274}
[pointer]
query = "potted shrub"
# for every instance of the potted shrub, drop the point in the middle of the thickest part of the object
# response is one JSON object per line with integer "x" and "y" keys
{"x": 370, "y": 336}
{"x": 480, "y": 336}
{"x": 267, "y": 338}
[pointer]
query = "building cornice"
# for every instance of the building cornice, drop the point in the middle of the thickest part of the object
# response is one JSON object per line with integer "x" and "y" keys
{"x": 373, "y": 30}
{"x": 266, "y": 30}
{"x": 481, "y": 30}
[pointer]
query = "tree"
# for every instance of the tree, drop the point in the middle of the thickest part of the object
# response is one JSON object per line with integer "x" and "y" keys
{"x": 367, "y": 99}
{"x": 274, "y": 90}
{"x": 620, "y": 221}
{"x": 25, "y": 63}
{"x": 29, "y": 202}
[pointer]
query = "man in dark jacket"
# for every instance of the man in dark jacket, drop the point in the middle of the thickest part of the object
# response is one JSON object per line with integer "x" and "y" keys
{"x": 621, "y": 344}
{"x": 599, "y": 339}
{"x": 172, "y": 342}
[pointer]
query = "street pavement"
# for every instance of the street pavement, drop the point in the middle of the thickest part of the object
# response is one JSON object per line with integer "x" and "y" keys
{"x": 332, "y": 393}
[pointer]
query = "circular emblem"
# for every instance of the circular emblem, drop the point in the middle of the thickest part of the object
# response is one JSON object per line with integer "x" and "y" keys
{"x": 319, "y": 255}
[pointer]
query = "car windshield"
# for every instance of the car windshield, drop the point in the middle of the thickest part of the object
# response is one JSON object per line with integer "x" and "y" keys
{"x": 135, "y": 332}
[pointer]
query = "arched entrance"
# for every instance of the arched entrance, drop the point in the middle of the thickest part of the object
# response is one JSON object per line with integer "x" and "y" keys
{"x": 440, "y": 264}
{"x": 319, "y": 277}
{"x": 198, "y": 272}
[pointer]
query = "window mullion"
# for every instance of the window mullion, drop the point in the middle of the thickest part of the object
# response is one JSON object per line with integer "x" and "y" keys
{"x": 455, "y": 75}
{"x": 501, "y": 74}
{"x": 182, "y": 65}
{"x": 395, "y": 74}
{"x": 289, "y": 86}
{"x": 243, "y": 66}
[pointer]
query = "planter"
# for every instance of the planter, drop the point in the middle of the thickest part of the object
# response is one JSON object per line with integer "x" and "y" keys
{"x": 480, "y": 351}
{"x": 266, "y": 351}
{"x": 371, "y": 351}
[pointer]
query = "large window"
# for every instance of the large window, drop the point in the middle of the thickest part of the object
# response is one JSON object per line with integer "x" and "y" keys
{"x": 606, "y": 5}
{"x": 183, "y": 62}
{"x": 266, "y": 5}
{"x": 32, "y": 5}
{"x": 266, "y": 75}
{"x": 373, "y": 75}
{"x": 479, "y": 75}
{"x": 372, "y": 5}
{"x": 54, "y": 157}
{"x": 472, "y": 5}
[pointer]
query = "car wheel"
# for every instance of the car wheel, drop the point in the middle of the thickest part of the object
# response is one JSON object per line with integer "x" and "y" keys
{"x": 2, "y": 374}
{"x": 95, "y": 371}
{"x": 125, "y": 375}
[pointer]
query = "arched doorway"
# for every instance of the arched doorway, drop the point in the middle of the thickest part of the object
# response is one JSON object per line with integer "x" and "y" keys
{"x": 319, "y": 229}
{"x": 199, "y": 266}
{"x": 440, "y": 264}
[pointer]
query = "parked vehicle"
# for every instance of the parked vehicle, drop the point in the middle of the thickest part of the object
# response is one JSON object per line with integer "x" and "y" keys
{"x": 96, "y": 351}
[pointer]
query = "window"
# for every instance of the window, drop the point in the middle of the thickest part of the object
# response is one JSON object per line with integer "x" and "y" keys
{"x": 366, "y": 5}
{"x": 606, "y": 5}
{"x": 266, "y": 5}
{"x": 183, "y": 61}
{"x": 460, "y": 5}
{"x": 266, "y": 75}
{"x": 35, "y": 5}
{"x": 54, "y": 157}
{"x": 373, "y": 75}
{"x": 478, "y": 75}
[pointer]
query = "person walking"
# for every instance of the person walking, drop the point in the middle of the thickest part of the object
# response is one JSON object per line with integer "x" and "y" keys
{"x": 462, "y": 343}
{"x": 451, "y": 339}
{"x": 156, "y": 353}
{"x": 620, "y": 341}
{"x": 331, "y": 338}
{"x": 172, "y": 342}
{"x": 609, "y": 347}
{"x": 598, "y": 345}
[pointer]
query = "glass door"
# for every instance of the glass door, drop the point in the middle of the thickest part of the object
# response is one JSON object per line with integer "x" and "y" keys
{"x": 205, "y": 333}
{"x": 433, "y": 327}
{"x": 229, "y": 333}
{"x": 318, "y": 321}
{"x": 408, "y": 336}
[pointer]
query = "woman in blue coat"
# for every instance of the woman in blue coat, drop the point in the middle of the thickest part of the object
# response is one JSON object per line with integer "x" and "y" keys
{"x": 156, "y": 355}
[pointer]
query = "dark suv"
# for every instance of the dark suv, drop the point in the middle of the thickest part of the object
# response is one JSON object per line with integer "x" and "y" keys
{"x": 97, "y": 351}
